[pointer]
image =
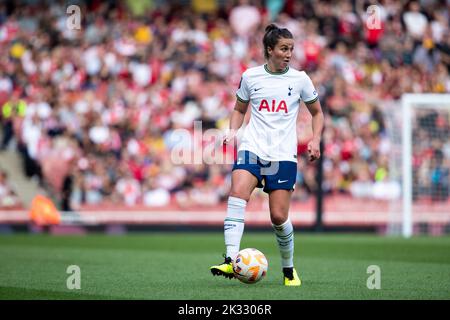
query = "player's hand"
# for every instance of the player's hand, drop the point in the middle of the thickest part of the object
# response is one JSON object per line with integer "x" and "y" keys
{"x": 229, "y": 136}
{"x": 314, "y": 150}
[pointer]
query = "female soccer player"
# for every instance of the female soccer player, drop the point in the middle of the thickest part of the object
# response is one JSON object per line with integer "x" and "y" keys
{"x": 267, "y": 156}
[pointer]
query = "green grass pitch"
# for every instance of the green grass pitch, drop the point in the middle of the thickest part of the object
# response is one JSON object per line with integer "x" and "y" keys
{"x": 160, "y": 266}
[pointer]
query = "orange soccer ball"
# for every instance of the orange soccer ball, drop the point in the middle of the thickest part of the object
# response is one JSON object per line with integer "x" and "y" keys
{"x": 250, "y": 265}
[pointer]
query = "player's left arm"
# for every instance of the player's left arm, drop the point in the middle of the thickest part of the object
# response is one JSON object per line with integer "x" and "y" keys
{"x": 317, "y": 126}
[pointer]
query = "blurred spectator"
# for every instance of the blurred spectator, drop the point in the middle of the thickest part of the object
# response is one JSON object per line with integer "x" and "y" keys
{"x": 13, "y": 109}
{"x": 245, "y": 18}
{"x": 155, "y": 196}
{"x": 8, "y": 197}
{"x": 128, "y": 189}
{"x": 415, "y": 21}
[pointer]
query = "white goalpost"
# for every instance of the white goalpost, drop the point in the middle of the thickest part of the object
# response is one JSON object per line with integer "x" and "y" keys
{"x": 420, "y": 163}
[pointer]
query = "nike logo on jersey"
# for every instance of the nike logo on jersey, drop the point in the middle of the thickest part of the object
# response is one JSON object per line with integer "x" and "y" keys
{"x": 282, "y": 181}
{"x": 258, "y": 89}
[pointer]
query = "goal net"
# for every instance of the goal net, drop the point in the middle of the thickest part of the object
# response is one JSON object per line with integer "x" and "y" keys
{"x": 418, "y": 128}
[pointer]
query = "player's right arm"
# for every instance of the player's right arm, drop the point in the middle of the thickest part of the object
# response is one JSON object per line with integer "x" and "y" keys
{"x": 236, "y": 120}
{"x": 240, "y": 109}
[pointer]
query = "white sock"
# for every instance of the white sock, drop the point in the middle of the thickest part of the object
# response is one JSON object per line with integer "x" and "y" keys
{"x": 234, "y": 225}
{"x": 285, "y": 239}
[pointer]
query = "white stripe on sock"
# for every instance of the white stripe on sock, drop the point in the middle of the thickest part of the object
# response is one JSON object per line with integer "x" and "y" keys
{"x": 234, "y": 225}
{"x": 285, "y": 239}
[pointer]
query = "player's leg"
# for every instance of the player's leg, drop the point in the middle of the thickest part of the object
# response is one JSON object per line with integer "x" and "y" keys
{"x": 242, "y": 185}
{"x": 243, "y": 182}
{"x": 279, "y": 201}
{"x": 279, "y": 185}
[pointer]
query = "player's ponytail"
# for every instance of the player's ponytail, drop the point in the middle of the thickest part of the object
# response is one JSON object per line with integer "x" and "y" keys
{"x": 271, "y": 36}
{"x": 270, "y": 27}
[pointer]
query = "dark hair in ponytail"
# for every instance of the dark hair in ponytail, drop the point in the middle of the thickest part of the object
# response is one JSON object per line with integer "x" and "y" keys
{"x": 272, "y": 35}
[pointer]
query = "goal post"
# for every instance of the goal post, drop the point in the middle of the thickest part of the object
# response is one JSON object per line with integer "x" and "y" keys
{"x": 425, "y": 161}
{"x": 406, "y": 166}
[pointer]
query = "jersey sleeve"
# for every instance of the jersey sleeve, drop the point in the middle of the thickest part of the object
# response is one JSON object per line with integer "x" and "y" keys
{"x": 309, "y": 93}
{"x": 242, "y": 93}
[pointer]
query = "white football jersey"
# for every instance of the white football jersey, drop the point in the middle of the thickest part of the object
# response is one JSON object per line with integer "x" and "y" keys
{"x": 275, "y": 100}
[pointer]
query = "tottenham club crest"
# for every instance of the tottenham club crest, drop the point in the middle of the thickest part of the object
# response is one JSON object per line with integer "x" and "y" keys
{"x": 290, "y": 89}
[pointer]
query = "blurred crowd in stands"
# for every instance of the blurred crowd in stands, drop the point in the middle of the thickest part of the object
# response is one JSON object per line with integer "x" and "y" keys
{"x": 93, "y": 110}
{"x": 431, "y": 155}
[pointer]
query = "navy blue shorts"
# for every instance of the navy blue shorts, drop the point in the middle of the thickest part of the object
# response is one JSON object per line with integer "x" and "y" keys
{"x": 272, "y": 175}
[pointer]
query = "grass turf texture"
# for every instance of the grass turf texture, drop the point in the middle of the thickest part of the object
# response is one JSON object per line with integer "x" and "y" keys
{"x": 176, "y": 266}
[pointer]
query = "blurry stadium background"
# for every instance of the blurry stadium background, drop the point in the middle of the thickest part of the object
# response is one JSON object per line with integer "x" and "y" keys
{"x": 90, "y": 118}
{"x": 90, "y": 114}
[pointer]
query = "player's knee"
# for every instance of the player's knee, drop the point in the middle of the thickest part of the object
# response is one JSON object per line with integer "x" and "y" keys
{"x": 240, "y": 193}
{"x": 278, "y": 217}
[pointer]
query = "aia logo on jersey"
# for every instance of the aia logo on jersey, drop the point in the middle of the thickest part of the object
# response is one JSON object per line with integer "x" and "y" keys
{"x": 274, "y": 107}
